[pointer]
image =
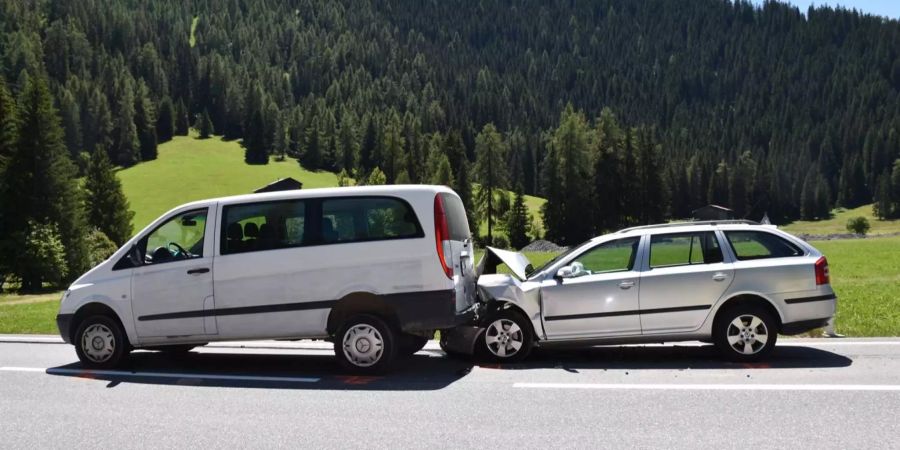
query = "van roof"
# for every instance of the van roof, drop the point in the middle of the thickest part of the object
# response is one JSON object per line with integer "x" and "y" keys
{"x": 390, "y": 189}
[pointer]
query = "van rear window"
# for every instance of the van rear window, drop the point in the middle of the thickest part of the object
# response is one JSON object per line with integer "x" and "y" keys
{"x": 456, "y": 217}
{"x": 356, "y": 219}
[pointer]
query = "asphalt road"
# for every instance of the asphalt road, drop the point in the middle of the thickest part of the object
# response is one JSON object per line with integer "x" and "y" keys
{"x": 828, "y": 393}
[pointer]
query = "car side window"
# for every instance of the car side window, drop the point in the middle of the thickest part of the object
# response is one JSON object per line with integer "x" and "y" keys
{"x": 263, "y": 226}
{"x": 356, "y": 219}
{"x": 179, "y": 238}
{"x": 613, "y": 256}
{"x": 681, "y": 249}
{"x": 759, "y": 245}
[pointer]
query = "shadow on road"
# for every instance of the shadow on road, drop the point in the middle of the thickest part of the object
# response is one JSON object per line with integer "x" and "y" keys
{"x": 674, "y": 357}
{"x": 427, "y": 370}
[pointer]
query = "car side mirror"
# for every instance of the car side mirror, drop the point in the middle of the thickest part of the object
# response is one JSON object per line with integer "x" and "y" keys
{"x": 565, "y": 272}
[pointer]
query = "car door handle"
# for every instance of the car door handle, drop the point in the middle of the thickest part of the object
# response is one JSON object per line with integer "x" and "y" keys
{"x": 626, "y": 284}
{"x": 198, "y": 271}
{"x": 719, "y": 276}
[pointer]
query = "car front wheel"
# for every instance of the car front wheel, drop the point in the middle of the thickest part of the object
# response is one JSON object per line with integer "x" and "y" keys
{"x": 507, "y": 338}
{"x": 745, "y": 333}
{"x": 100, "y": 343}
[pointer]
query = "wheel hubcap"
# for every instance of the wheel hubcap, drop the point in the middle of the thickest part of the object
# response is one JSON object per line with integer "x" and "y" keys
{"x": 98, "y": 343}
{"x": 504, "y": 338}
{"x": 747, "y": 334}
{"x": 363, "y": 345}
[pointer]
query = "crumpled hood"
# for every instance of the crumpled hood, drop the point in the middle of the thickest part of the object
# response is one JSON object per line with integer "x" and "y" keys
{"x": 493, "y": 257}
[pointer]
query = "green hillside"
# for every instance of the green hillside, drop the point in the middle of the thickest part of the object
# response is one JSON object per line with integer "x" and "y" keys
{"x": 189, "y": 169}
{"x": 838, "y": 223}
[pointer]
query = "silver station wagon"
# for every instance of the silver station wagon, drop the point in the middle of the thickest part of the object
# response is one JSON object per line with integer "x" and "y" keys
{"x": 737, "y": 284}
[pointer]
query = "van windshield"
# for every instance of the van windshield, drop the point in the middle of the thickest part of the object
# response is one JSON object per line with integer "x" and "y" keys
{"x": 456, "y": 217}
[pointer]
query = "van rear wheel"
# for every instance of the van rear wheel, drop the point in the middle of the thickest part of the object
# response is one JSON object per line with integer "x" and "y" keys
{"x": 100, "y": 342}
{"x": 366, "y": 344}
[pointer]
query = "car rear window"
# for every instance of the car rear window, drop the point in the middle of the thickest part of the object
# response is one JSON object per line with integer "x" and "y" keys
{"x": 356, "y": 219}
{"x": 456, "y": 217}
{"x": 760, "y": 245}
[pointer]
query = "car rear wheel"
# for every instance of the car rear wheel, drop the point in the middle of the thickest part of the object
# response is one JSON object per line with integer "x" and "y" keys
{"x": 507, "y": 338}
{"x": 745, "y": 333}
{"x": 365, "y": 344}
{"x": 100, "y": 342}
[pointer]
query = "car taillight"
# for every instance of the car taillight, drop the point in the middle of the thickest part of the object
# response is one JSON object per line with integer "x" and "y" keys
{"x": 442, "y": 235}
{"x": 822, "y": 275}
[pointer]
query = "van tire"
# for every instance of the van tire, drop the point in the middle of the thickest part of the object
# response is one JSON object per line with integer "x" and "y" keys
{"x": 410, "y": 344}
{"x": 737, "y": 333}
{"x": 488, "y": 349}
{"x": 100, "y": 342}
{"x": 366, "y": 344}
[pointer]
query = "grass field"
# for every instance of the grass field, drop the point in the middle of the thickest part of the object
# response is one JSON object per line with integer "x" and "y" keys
{"x": 36, "y": 314}
{"x": 837, "y": 224}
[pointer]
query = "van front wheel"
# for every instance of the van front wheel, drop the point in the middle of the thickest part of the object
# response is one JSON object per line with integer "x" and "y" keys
{"x": 365, "y": 344}
{"x": 100, "y": 343}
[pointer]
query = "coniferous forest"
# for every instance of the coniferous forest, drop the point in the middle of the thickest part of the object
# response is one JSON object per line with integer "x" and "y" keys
{"x": 619, "y": 112}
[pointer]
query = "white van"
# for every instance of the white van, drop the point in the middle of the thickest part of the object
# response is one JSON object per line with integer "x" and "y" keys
{"x": 376, "y": 269}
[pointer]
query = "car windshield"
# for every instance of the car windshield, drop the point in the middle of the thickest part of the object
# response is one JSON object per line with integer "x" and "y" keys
{"x": 557, "y": 258}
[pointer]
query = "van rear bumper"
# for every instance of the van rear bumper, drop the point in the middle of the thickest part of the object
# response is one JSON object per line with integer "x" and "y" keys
{"x": 427, "y": 311}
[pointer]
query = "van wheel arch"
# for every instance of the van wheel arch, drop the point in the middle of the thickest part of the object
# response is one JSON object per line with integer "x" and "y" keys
{"x": 360, "y": 303}
{"x": 748, "y": 299}
{"x": 95, "y": 309}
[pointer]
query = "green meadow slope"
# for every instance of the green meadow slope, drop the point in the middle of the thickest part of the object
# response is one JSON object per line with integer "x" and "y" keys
{"x": 189, "y": 169}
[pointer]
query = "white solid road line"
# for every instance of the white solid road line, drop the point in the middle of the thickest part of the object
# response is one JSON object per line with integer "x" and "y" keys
{"x": 714, "y": 387}
{"x": 121, "y": 373}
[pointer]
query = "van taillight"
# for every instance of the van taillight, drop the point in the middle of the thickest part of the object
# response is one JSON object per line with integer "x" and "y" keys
{"x": 442, "y": 235}
{"x": 822, "y": 275}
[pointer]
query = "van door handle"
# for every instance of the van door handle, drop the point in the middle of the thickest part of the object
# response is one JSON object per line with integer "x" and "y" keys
{"x": 719, "y": 276}
{"x": 626, "y": 284}
{"x": 198, "y": 271}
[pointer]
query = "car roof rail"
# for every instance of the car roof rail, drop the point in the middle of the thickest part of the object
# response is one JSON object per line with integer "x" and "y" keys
{"x": 691, "y": 223}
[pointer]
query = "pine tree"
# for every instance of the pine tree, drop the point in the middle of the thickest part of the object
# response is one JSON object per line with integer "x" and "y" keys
{"x": 570, "y": 144}
{"x": 463, "y": 187}
{"x": 9, "y": 135}
{"x": 125, "y": 149}
{"x": 311, "y": 159}
{"x": 517, "y": 223}
{"x": 348, "y": 143}
{"x": 368, "y": 151}
{"x": 70, "y": 114}
{"x": 105, "y": 203}
{"x": 606, "y": 195}
{"x": 653, "y": 191}
{"x": 165, "y": 120}
{"x": 145, "y": 122}
{"x": 490, "y": 172}
{"x": 182, "y": 122}
{"x": 40, "y": 169}
{"x": 96, "y": 121}
{"x": 204, "y": 125}
{"x": 392, "y": 144}
{"x": 441, "y": 173}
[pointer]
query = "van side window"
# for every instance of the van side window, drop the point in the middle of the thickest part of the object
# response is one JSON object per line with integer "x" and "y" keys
{"x": 684, "y": 248}
{"x": 760, "y": 245}
{"x": 356, "y": 219}
{"x": 263, "y": 226}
